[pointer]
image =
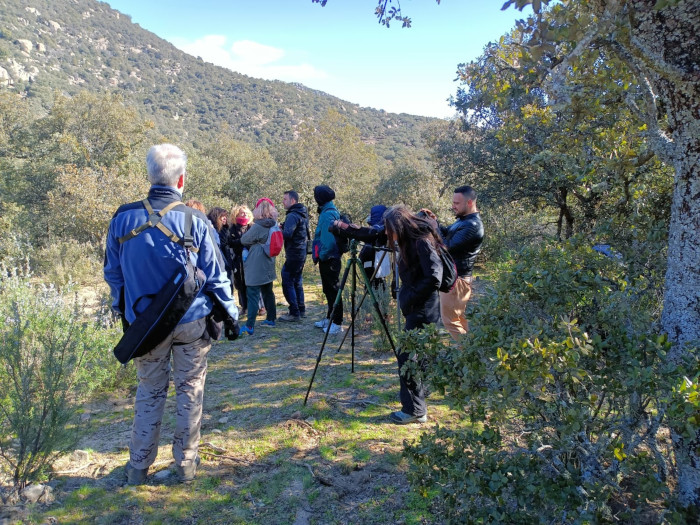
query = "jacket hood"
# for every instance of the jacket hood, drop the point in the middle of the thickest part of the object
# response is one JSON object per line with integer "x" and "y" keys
{"x": 376, "y": 215}
{"x": 323, "y": 194}
{"x": 299, "y": 209}
{"x": 266, "y": 223}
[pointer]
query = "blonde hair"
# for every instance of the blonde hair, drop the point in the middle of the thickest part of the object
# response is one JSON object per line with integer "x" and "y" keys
{"x": 265, "y": 210}
{"x": 237, "y": 209}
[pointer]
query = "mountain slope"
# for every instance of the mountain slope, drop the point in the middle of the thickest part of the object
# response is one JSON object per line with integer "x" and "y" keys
{"x": 49, "y": 46}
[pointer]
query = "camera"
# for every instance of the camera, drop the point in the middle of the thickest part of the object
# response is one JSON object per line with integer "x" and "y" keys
{"x": 422, "y": 214}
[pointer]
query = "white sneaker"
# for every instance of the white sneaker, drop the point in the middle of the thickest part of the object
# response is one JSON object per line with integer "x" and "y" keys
{"x": 335, "y": 329}
{"x": 323, "y": 323}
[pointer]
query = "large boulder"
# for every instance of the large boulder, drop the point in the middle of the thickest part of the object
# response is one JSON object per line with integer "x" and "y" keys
{"x": 37, "y": 493}
{"x": 25, "y": 45}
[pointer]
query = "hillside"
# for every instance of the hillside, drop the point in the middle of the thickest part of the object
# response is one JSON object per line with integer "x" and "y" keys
{"x": 65, "y": 46}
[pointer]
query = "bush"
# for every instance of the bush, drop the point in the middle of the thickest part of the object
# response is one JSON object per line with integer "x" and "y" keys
{"x": 51, "y": 358}
{"x": 68, "y": 261}
{"x": 567, "y": 386}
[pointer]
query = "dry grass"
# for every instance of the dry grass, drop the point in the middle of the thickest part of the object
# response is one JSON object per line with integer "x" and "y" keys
{"x": 266, "y": 458}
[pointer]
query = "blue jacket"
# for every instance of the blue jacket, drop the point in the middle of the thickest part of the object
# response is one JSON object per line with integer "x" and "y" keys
{"x": 328, "y": 247}
{"x": 140, "y": 266}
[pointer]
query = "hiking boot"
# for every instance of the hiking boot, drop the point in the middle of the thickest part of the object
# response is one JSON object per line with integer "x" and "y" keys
{"x": 323, "y": 323}
{"x": 245, "y": 329}
{"x": 401, "y": 418}
{"x": 302, "y": 314}
{"x": 135, "y": 476}
{"x": 267, "y": 322}
{"x": 187, "y": 472}
{"x": 335, "y": 329}
{"x": 289, "y": 318}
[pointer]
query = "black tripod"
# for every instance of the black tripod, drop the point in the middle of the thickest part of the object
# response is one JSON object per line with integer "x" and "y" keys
{"x": 352, "y": 264}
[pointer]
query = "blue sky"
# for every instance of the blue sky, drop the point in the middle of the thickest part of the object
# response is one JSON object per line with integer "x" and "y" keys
{"x": 339, "y": 48}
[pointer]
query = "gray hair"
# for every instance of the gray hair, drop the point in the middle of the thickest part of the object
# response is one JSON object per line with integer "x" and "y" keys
{"x": 165, "y": 163}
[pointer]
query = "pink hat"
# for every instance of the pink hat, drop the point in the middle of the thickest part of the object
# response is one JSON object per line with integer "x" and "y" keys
{"x": 264, "y": 199}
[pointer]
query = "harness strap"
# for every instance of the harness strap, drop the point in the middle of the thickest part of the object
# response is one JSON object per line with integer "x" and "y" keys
{"x": 154, "y": 221}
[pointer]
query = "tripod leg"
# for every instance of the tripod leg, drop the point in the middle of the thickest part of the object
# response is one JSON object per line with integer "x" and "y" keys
{"x": 352, "y": 309}
{"x": 377, "y": 308}
{"x": 338, "y": 298}
{"x": 352, "y": 321}
{"x": 380, "y": 315}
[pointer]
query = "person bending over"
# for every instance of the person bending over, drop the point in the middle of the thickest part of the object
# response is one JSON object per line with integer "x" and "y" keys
{"x": 420, "y": 270}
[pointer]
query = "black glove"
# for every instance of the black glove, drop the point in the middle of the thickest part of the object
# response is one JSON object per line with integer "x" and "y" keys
{"x": 232, "y": 330}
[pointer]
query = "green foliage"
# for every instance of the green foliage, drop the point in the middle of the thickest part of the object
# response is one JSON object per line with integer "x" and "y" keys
{"x": 332, "y": 153}
{"x": 51, "y": 359}
{"x": 686, "y": 408}
{"x": 68, "y": 261}
{"x": 235, "y": 171}
{"x": 411, "y": 180}
{"x": 79, "y": 208}
{"x": 562, "y": 371}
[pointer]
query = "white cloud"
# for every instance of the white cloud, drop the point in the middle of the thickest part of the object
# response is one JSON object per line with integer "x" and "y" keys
{"x": 254, "y": 53}
{"x": 250, "y": 58}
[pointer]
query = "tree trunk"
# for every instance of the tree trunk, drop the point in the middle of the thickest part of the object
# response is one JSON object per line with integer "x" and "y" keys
{"x": 561, "y": 196}
{"x": 666, "y": 41}
{"x": 681, "y": 311}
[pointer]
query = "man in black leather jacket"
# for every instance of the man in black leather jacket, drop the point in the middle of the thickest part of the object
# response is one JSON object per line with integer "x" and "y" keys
{"x": 295, "y": 231}
{"x": 463, "y": 239}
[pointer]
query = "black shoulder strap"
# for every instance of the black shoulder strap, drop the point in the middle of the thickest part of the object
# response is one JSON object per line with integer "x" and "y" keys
{"x": 188, "y": 239}
{"x": 154, "y": 221}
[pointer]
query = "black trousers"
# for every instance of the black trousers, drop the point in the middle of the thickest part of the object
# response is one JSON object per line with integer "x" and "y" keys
{"x": 330, "y": 281}
{"x": 411, "y": 393}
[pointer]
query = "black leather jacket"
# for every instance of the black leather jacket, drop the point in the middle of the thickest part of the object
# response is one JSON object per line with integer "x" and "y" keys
{"x": 463, "y": 240}
{"x": 295, "y": 232}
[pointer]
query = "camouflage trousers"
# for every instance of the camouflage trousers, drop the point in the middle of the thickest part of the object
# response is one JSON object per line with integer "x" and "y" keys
{"x": 188, "y": 345}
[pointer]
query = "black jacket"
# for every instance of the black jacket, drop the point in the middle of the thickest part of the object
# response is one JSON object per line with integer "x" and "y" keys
{"x": 372, "y": 236}
{"x": 234, "y": 242}
{"x": 295, "y": 231}
{"x": 421, "y": 276}
{"x": 463, "y": 240}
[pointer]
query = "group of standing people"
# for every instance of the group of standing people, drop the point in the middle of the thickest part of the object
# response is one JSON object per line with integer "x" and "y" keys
{"x": 244, "y": 239}
{"x": 419, "y": 238}
{"x": 240, "y": 248}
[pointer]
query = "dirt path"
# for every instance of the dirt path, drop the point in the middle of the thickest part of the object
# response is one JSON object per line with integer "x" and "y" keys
{"x": 266, "y": 458}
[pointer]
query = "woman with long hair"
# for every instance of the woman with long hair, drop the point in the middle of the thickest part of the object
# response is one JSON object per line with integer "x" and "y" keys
{"x": 241, "y": 221}
{"x": 219, "y": 219}
{"x": 259, "y": 266}
{"x": 420, "y": 270}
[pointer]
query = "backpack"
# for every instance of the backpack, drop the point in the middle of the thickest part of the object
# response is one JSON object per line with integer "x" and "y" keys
{"x": 172, "y": 301}
{"x": 449, "y": 270}
{"x": 343, "y": 243}
{"x": 275, "y": 241}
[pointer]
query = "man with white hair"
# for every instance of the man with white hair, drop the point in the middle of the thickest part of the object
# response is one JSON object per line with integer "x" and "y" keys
{"x": 136, "y": 267}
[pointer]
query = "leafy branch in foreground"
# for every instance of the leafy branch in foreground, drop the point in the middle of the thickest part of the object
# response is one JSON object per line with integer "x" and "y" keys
{"x": 385, "y": 12}
{"x": 568, "y": 387}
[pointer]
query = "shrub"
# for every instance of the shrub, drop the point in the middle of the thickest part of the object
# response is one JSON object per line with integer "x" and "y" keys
{"x": 567, "y": 386}
{"x": 67, "y": 261}
{"x": 50, "y": 359}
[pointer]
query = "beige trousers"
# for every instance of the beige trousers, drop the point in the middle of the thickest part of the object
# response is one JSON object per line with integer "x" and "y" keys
{"x": 453, "y": 305}
{"x": 188, "y": 345}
